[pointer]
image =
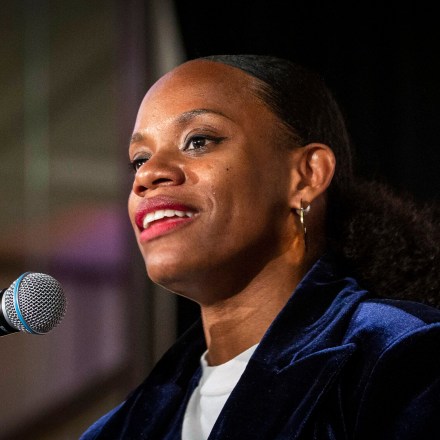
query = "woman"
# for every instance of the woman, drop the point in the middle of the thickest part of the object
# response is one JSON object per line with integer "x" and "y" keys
{"x": 244, "y": 201}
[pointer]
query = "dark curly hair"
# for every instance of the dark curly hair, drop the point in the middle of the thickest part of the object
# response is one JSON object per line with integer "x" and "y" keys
{"x": 389, "y": 241}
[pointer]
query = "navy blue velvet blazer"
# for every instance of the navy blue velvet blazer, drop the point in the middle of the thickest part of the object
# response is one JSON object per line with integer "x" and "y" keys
{"x": 336, "y": 363}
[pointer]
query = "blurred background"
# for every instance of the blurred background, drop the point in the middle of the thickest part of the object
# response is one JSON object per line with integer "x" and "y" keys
{"x": 72, "y": 75}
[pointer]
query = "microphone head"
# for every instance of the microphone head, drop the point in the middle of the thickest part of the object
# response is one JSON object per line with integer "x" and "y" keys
{"x": 34, "y": 303}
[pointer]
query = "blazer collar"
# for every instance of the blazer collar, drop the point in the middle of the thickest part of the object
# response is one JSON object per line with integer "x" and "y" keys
{"x": 297, "y": 360}
{"x": 314, "y": 317}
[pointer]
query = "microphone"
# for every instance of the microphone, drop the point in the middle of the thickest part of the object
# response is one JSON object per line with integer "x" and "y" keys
{"x": 34, "y": 303}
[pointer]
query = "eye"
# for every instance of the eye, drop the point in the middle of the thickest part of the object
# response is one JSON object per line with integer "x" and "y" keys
{"x": 201, "y": 143}
{"x": 135, "y": 164}
{"x": 196, "y": 143}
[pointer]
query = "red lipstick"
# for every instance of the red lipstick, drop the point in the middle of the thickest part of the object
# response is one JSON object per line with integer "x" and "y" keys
{"x": 160, "y": 215}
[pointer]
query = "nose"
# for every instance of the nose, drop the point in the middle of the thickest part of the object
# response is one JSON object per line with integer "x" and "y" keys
{"x": 160, "y": 170}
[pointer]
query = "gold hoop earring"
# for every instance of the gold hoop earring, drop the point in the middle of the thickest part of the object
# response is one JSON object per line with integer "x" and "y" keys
{"x": 302, "y": 212}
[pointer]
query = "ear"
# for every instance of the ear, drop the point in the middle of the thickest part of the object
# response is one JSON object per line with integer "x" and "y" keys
{"x": 312, "y": 170}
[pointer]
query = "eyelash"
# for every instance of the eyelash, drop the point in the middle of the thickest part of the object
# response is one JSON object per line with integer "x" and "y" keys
{"x": 135, "y": 164}
{"x": 138, "y": 162}
{"x": 205, "y": 139}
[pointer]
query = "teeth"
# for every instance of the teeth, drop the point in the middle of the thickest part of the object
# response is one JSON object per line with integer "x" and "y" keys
{"x": 161, "y": 213}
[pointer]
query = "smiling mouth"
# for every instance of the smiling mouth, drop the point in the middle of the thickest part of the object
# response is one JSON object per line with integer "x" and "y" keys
{"x": 164, "y": 213}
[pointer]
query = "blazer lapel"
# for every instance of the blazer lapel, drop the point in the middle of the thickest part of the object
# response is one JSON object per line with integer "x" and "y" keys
{"x": 268, "y": 401}
{"x": 155, "y": 409}
{"x": 296, "y": 362}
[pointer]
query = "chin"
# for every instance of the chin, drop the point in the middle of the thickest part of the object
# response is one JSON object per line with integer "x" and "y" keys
{"x": 167, "y": 272}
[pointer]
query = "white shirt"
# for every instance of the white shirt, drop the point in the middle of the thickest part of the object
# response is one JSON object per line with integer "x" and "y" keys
{"x": 210, "y": 395}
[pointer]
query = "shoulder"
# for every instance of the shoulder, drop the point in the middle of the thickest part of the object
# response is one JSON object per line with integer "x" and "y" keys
{"x": 383, "y": 329}
{"x": 397, "y": 363}
{"x": 391, "y": 320}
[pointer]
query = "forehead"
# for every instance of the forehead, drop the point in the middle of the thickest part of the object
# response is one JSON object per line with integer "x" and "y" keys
{"x": 203, "y": 84}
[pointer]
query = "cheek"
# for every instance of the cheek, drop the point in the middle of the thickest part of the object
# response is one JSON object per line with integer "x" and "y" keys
{"x": 131, "y": 207}
{"x": 214, "y": 180}
{"x": 233, "y": 190}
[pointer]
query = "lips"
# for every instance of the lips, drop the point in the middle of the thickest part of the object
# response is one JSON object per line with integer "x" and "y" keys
{"x": 164, "y": 213}
{"x": 159, "y": 215}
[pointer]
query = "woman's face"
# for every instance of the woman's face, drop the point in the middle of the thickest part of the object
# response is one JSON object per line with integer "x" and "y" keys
{"x": 209, "y": 203}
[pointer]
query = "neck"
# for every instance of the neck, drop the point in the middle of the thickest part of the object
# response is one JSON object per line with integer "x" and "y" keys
{"x": 235, "y": 323}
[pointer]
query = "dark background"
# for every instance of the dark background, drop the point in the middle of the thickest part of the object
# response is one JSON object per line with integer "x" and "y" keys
{"x": 380, "y": 60}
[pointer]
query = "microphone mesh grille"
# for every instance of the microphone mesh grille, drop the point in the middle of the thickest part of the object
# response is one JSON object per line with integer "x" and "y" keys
{"x": 41, "y": 302}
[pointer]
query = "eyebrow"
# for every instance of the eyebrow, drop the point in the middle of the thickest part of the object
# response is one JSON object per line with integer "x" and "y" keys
{"x": 136, "y": 137}
{"x": 183, "y": 119}
{"x": 191, "y": 114}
